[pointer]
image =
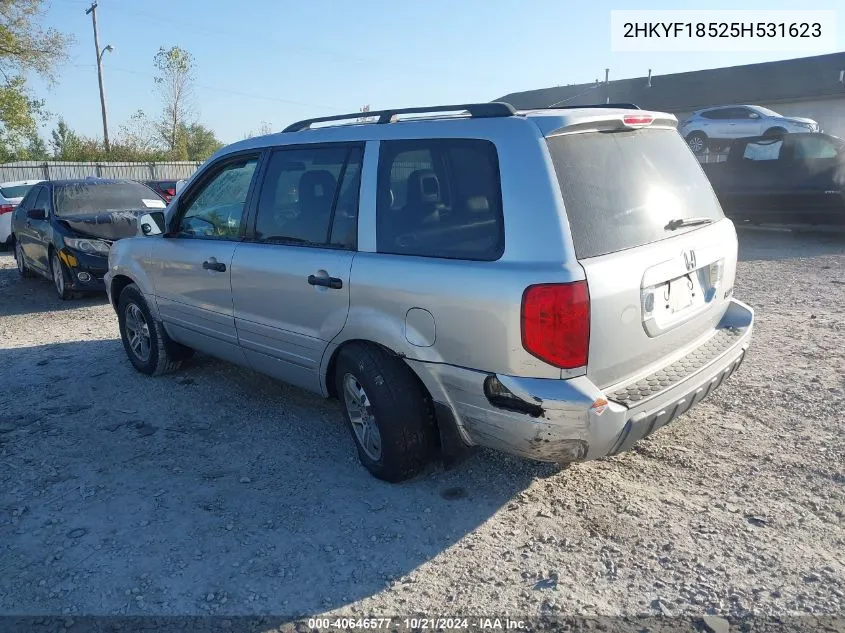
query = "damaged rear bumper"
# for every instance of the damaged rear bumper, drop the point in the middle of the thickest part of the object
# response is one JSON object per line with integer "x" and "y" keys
{"x": 573, "y": 420}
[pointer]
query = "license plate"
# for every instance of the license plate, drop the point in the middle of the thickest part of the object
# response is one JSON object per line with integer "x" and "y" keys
{"x": 680, "y": 295}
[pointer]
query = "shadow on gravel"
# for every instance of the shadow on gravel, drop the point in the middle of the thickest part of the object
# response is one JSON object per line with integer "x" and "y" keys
{"x": 209, "y": 491}
{"x": 34, "y": 295}
{"x": 778, "y": 243}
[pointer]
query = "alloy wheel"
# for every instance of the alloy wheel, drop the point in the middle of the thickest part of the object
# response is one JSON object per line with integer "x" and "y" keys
{"x": 361, "y": 416}
{"x": 696, "y": 144}
{"x": 19, "y": 257}
{"x": 137, "y": 332}
{"x": 58, "y": 275}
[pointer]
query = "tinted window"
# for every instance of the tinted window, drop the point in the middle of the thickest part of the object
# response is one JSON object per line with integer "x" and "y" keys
{"x": 43, "y": 200}
{"x": 722, "y": 113}
{"x": 440, "y": 198}
{"x": 29, "y": 199}
{"x": 217, "y": 210}
{"x": 814, "y": 148}
{"x": 96, "y": 197}
{"x": 18, "y": 191}
{"x": 621, "y": 189}
{"x": 764, "y": 149}
{"x": 299, "y": 193}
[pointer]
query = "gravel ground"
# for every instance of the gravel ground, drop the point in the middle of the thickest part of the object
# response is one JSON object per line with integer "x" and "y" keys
{"x": 216, "y": 491}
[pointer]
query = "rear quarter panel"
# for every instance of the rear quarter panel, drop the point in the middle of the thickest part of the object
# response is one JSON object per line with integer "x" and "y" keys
{"x": 475, "y": 305}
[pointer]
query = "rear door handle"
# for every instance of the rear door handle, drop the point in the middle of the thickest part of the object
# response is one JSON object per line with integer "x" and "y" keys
{"x": 213, "y": 264}
{"x": 329, "y": 282}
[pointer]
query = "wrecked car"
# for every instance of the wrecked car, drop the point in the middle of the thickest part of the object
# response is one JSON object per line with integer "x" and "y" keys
{"x": 557, "y": 284}
{"x": 63, "y": 229}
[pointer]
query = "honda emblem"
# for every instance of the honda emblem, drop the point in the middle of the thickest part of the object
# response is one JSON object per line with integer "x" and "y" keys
{"x": 689, "y": 259}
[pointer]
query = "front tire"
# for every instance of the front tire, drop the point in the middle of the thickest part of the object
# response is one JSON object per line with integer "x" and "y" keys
{"x": 144, "y": 338}
{"x": 23, "y": 269}
{"x": 388, "y": 412}
{"x": 697, "y": 142}
{"x": 60, "y": 277}
{"x": 774, "y": 131}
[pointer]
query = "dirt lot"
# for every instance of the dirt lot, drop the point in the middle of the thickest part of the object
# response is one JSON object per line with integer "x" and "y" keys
{"x": 218, "y": 491}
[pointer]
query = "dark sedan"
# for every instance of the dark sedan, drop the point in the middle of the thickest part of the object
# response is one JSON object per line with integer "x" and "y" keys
{"x": 63, "y": 229}
{"x": 793, "y": 178}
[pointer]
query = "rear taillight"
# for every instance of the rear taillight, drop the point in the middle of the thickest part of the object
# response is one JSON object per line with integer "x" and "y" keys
{"x": 556, "y": 323}
{"x": 6, "y": 208}
{"x": 170, "y": 192}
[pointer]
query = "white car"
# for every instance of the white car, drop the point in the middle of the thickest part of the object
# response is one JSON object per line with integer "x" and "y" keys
{"x": 738, "y": 121}
{"x": 11, "y": 194}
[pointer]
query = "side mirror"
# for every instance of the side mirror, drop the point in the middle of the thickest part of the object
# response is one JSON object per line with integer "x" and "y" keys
{"x": 754, "y": 115}
{"x": 152, "y": 223}
{"x": 37, "y": 214}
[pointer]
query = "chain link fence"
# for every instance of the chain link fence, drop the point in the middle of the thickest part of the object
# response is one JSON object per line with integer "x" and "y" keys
{"x": 57, "y": 170}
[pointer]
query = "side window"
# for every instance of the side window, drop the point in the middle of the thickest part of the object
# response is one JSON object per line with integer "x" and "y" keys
{"x": 43, "y": 200}
{"x": 29, "y": 199}
{"x": 217, "y": 209}
{"x": 345, "y": 225}
{"x": 452, "y": 201}
{"x": 742, "y": 113}
{"x": 302, "y": 191}
{"x": 720, "y": 113}
{"x": 762, "y": 150}
{"x": 814, "y": 148}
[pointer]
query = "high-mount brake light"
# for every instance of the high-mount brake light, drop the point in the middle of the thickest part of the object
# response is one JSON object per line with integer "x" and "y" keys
{"x": 637, "y": 120}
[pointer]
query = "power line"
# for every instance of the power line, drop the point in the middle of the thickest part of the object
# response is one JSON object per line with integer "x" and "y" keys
{"x": 223, "y": 90}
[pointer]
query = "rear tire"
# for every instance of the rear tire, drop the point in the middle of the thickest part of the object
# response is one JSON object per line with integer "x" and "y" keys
{"x": 23, "y": 269}
{"x": 388, "y": 412}
{"x": 697, "y": 142}
{"x": 144, "y": 338}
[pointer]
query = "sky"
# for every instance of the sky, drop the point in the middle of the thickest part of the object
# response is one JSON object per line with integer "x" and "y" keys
{"x": 278, "y": 61}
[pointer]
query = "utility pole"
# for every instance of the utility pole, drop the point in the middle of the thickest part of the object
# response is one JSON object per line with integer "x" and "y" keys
{"x": 93, "y": 11}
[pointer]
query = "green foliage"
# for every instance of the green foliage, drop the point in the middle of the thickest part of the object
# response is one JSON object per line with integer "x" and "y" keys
{"x": 24, "y": 47}
{"x": 174, "y": 78}
{"x": 200, "y": 141}
{"x": 137, "y": 141}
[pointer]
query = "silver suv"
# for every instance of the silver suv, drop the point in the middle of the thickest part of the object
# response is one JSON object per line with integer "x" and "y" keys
{"x": 705, "y": 127}
{"x": 555, "y": 284}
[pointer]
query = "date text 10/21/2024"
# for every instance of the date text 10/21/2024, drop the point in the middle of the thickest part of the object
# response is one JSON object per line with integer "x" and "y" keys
{"x": 416, "y": 623}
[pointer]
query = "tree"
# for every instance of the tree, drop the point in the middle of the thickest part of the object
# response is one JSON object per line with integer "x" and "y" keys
{"x": 200, "y": 141}
{"x": 139, "y": 134}
{"x": 24, "y": 48}
{"x": 175, "y": 78}
{"x": 36, "y": 148}
{"x": 65, "y": 143}
{"x": 264, "y": 128}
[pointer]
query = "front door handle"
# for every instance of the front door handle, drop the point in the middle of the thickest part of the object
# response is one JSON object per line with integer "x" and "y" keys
{"x": 213, "y": 264}
{"x": 329, "y": 282}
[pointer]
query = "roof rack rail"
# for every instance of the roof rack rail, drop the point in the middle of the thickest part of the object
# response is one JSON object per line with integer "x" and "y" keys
{"x": 476, "y": 110}
{"x": 616, "y": 106}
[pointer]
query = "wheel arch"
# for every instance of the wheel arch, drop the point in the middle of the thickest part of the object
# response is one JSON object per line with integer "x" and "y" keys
{"x": 118, "y": 283}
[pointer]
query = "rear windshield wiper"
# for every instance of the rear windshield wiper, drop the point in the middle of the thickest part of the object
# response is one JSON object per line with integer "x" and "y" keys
{"x": 682, "y": 222}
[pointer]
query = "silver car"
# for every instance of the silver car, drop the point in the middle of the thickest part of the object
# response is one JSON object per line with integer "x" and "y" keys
{"x": 704, "y": 127}
{"x": 556, "y": 284}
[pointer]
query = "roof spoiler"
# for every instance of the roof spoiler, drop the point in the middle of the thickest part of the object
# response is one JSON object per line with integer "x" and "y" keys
{"x": 614, "y": 106}
{"x": 475, "y": 110}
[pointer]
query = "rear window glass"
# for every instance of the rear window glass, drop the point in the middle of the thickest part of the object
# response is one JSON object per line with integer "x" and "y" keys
{"x": 18, "y": 191}
{"x": 85, "y": 198}
{"x": 440, "y": 198}
{"x": 764, "y": 149}
{"x": 621, "y": 189}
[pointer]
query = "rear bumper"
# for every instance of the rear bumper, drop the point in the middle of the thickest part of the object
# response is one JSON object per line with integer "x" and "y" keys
{"x": 572, "y": 425}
